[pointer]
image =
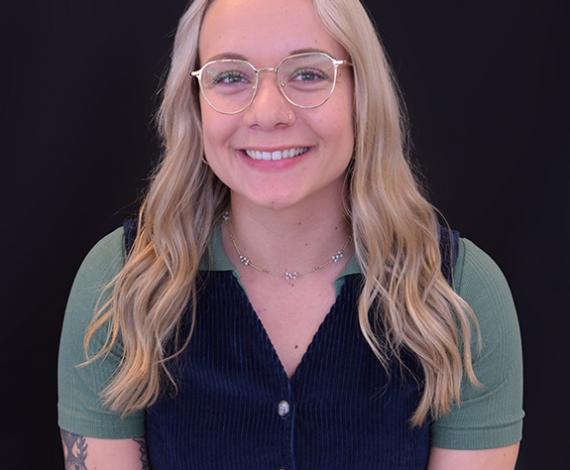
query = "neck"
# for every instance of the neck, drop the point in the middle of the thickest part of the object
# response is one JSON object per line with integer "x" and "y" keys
{"x": 296, "y": 238}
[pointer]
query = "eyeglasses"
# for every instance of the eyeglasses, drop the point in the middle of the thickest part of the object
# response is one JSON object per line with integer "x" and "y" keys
{"x": 306, "y": 80}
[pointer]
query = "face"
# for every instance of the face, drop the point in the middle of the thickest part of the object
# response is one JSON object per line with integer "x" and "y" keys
{"x": 264, "y": 32}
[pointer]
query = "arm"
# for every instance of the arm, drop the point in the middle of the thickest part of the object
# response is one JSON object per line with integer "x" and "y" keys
{"x": 94, "y": 437}
{"x": 500, "y": 458}
{"x": 484, "y": 431}
{"x": 90, "y": 453}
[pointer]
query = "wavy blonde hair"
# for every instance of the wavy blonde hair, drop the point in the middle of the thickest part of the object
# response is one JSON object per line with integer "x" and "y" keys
{"x": 395, "y": 232}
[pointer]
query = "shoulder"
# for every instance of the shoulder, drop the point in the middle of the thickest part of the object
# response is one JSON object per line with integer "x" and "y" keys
{"x": 475, "y": 266}
{"x": 104, "y": 258}
{"x": 482, "y": 284}
{"x": 103, "y": 261}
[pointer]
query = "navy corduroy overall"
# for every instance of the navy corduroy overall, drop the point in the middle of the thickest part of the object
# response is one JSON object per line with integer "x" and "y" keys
{"x": 236, "y": 408}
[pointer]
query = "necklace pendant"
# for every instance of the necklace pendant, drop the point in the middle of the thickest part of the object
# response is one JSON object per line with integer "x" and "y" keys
{"x": 337, "y": 256}
{"x": 291, "y": 275}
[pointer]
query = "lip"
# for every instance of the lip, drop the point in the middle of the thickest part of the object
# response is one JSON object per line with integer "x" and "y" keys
{"x": 273, "y": 165}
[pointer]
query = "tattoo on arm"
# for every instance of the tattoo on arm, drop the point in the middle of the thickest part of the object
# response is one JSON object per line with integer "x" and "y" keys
{"x": 74, "y": 450}
{"x": 143, "y": 455}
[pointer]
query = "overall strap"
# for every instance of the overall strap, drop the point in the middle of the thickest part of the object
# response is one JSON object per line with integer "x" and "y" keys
{"x": 129, "y": 233}
{"x": 449, "y": 249}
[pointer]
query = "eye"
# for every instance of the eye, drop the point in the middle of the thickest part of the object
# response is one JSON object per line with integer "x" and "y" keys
{"x": 309, "y": 75}
{"x": 230, "y": 77}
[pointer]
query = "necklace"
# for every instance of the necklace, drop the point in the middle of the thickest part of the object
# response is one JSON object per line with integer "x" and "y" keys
{"x": 287, "y": 275}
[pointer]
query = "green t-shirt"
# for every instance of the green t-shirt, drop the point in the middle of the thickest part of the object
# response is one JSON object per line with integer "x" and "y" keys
{"x": 488, "y": 417}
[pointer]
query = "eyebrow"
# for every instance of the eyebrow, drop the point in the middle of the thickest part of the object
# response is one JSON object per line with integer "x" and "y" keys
{"x": 234, "y": 55}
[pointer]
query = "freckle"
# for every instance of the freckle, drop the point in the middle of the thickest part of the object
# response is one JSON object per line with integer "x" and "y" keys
{"x": 336, "y": 228}
{"x": 306, "y": 244}
{"x": 296, "y": 346}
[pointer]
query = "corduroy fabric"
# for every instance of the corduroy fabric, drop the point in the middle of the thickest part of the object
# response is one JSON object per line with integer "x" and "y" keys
{"x": 344, "y": 411}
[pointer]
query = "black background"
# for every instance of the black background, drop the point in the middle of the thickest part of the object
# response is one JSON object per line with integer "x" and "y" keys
{"x": 486, "y": 88}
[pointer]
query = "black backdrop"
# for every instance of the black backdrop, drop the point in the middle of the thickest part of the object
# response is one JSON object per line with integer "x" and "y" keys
{"x": 486, "y": 88}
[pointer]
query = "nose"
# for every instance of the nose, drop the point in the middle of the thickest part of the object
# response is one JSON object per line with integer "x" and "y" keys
{"x": 269, "y": 107}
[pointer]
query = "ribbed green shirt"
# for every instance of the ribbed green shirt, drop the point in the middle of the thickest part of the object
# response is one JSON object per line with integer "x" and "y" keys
{"x": 488, "y": 417}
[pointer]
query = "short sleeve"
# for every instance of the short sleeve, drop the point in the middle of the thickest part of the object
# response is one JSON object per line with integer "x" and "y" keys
{"x": 80, "y": 409}
{"x": 491, "y": 416}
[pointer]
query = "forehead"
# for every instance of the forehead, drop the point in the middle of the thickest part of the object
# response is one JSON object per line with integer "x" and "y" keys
{"x": 264, "y": 31}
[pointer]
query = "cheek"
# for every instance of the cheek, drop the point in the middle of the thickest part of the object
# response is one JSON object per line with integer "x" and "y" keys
{"x": 336, "y": 121}
{"x": 336, "y": 129}
{"x": 217, "y": 131}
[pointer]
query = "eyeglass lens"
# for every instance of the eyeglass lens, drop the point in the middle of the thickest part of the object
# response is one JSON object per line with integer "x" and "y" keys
{"x": 306, "y": 80}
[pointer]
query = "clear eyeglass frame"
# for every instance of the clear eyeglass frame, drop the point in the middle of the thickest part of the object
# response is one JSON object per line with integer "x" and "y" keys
{"x": 335, "y": 62}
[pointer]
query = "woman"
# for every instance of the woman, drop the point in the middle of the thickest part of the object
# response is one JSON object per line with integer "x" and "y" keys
{"x": 284, "y": 300}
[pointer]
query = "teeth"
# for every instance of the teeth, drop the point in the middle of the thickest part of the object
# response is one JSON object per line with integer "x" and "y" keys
{"x": 276, "y": 155}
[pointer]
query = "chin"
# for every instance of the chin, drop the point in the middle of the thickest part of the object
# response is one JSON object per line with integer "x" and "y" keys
{"x": 274, "y": 200}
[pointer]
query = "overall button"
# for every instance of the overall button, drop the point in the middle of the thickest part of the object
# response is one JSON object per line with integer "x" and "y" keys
{"x": 283, "y": 408}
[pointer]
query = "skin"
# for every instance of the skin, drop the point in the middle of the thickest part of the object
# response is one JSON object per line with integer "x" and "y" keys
{"x": 500, "y": 458}
{"x": 90, "y": 453}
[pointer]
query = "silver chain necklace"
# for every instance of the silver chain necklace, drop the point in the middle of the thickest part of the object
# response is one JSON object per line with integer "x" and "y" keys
{"x": 287, "y": 275}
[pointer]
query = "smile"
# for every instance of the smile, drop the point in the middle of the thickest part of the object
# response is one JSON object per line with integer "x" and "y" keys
{"x": 276, "y": 154}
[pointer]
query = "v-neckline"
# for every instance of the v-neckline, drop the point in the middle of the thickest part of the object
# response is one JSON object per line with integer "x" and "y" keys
{"x": 321, "y": 331}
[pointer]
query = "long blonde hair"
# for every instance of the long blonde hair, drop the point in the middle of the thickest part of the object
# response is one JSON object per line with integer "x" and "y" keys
{"x": 394, "y": 227}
